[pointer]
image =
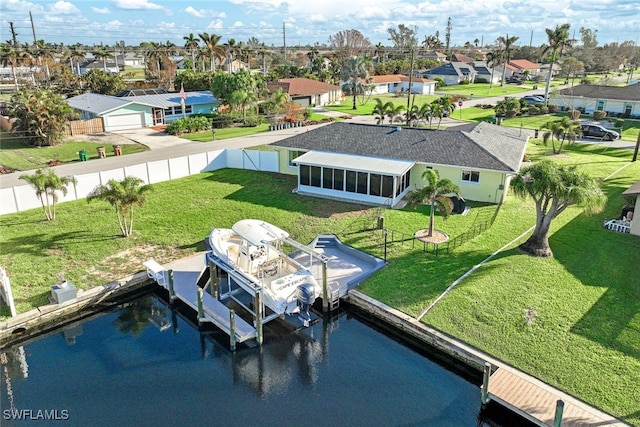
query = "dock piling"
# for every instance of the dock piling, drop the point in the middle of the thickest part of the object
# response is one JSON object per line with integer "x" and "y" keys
{"x": 213, "y": 274}
{"x": 200, "y": 308}
{"x": 232, "y": 330}
{"x": 172, "y": 293}
{"x": 484, "y": 398}
{"x": 325, "y": 288}
{"x": 258, "y": 311}
{"x": 557, "y": 420}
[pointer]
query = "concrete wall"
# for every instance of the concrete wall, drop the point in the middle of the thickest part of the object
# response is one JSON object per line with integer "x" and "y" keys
{"x": 23, "y": 197}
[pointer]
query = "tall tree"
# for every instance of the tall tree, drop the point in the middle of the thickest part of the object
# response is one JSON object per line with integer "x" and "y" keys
{"x": 447, "y": 36}
{"x": 554, "y": 188}
{"x": 558, "y": 41}
{"x": 404, "y": 37}
{"x": 507, "y": 46}
{"x": 494, "y": 59}
{"x": 192, "y": 44}
{"x": 215, "y": 50}
{"x": 380, "y": 110}
{"x": 433, "y": 193}
{"x": 564, "y": 130}
{"x": 103, "y": 82}
{"x": 101, "y": 53}
{"x": 48, "y": 185}
{"x": 353, "y": 74}
{"x": 123, "y": 196}
{"x": 41, "y": 116}
{"x": 76, "y": 53}
{"x": 348, "y": 43}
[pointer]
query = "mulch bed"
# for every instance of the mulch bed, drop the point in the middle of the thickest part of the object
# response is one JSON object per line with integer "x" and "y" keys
{"x": 437, "y": 236}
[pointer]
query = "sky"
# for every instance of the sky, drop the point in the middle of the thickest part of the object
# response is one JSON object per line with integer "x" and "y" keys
{"x": 307, "y": 22}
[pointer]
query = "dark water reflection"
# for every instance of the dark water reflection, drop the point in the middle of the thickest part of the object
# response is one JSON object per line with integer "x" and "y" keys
{"x": 130, "y": 367}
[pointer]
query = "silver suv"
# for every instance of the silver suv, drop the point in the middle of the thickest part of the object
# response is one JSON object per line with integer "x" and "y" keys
{"x": 597, "y": 131}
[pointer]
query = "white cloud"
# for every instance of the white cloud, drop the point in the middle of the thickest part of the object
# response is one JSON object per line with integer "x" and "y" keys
{"x": 137, "y": 5}
{"x": 204, "y": 13}
{"x": 237, "y": 24}
{"x": 63, "y": 8}
{"x": 215, "y": 25}
{"x": 100, "y": 10}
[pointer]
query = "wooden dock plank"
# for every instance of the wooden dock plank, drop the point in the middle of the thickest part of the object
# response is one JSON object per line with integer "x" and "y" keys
{"x": 536, "y": 401}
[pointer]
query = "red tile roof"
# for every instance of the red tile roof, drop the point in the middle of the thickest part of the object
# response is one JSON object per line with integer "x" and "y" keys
{"x": 524, "y": 64}
{"x": 302, "y": 86}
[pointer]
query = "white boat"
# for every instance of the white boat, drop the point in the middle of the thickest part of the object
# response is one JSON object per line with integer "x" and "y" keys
{"x": 251, "y": 254}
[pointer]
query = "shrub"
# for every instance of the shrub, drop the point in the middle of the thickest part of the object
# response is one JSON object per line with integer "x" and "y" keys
{"x": 188, "y": 125}
{"x": 599, "y": 115}
{"x": 544, "y": 110}
{"x": 221, "y": 121}
{"x": 574, "y": 115}
{"x": 533, "y": 110}
{"x": 553, "y": 108}
{"x": 619, "y": 123}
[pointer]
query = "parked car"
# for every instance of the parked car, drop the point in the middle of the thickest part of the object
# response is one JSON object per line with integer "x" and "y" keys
{"x": 514, "y": 80}
{"x": 533, "y": 99}
{"x": 597, "y": 131}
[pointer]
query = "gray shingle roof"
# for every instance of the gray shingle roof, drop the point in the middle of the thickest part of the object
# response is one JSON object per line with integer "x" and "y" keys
{"x": 102, "y": 104}
{"x": 623, "y": 93}
{"x": 482, "y": 145}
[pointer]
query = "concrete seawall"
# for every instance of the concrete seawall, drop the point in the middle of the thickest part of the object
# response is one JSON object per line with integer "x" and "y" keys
{"x": 51, "y": 316}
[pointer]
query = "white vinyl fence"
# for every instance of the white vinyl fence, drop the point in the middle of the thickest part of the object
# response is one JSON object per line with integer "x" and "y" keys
{"x": 23, "y": 197}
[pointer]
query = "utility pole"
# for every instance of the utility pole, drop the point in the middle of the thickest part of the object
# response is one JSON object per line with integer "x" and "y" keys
{"x": 410, "y": 84}
{"x": 284, "y": 41}
{"x": 531, "y": 39}
{"x": 33, "y": 29}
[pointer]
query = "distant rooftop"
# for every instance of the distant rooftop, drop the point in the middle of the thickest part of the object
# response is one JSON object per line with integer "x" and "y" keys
{"x": 141, "y": 92}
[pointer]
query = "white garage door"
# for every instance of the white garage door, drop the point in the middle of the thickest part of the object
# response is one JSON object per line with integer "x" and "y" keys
{"x": 123, "y": 122}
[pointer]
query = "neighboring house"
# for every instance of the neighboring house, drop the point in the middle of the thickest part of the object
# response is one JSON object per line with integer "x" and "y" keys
{"x": 624, "y": 100}
{"x": 438, "y": 56}
{"x": 132, "y": 59}
{"x": 380, "y": 165}
{"x": 522, "y": 67}
{"x": 483, "y": 72}
{"x": 234, "y": 65}
{"x": 133, "y": 112}
{"x": 459, "y": 57}
{"x": 97, "y": 64}
{"x": 396, "y": 83}
{"x": 307, "y": 92}
{"x": 452, "y": 73}
{"x": 634, "y": 190}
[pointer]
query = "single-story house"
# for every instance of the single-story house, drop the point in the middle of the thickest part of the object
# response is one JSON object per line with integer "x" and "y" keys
{"x": 395, "y": 83}
{"x": 307, "y": 92}
{"x": 132, "y": 59}
{"x": 133, "y": 112}
{"x": 109, "y": 66}
{"x": 452, "y": 73}
{"x": 380, "y": 165}
{"x": 522, "y": 67}
{"x": 614, "y": 100}
{"x": 634, "y": 190}
{"x": 438, "y": 56}
{"x": 459, "y": 57}
{"x": 484, "y": 73}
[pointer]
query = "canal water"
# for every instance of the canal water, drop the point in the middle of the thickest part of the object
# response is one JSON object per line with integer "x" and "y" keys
{"x": 143, "y": 364}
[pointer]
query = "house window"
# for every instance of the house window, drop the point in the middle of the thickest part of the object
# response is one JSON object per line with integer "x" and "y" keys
{"x": 293, "y": 154}
{"x": 600, "y": 105}
{"x": 327, "y": 178}
{"x": 338, "y": 179}
{"x": 387, "y": 186}
{"x": 470, "y": 176}
{"x": 315, "y": 176}
{"x": 351, "y": 181}
{"x": 628, "y": 108}
{"x": 305, "y": 174}
{"x": 363, "y": 179}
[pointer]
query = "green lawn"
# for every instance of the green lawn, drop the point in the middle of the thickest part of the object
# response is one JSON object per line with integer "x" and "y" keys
{"x": 584, "y": 304}
{"x": 16, "y": 155}
{"x": 366, "y": 109}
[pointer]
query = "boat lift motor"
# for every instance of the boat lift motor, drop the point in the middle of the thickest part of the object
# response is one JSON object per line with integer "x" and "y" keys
{"x": 305, "y": 300}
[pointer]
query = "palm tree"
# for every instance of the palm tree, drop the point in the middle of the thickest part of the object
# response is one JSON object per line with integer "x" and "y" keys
{"x": 558, "y": 40}
{"x": 433, "y": 194}
{"x": 380, "y": 110}
{"x": 123, "y": 196}
{"x": 442, "y": 107}
{"x": 44, "y": 53}
{"x": 554, "y": 188}
{"x": 192, "y": 44}
{"x": 215, "y": 50}
{"x": 563, "y": 129}
{"x": 76, "y": 53}
{"x": 394, "y": 113}
{"x": 47, "y": 185}
{"x": 353, "y": 73}
{"x": 493, "y": 59}
{"x": 507, "y": 48}
{"x": 426, "y": 113}
{"x": 102, "y": 53}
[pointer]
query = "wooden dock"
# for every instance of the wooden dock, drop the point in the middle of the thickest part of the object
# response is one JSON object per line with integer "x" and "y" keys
{"x": 536, "y": 401}
{"x": 185, "y": 276}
